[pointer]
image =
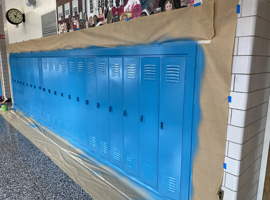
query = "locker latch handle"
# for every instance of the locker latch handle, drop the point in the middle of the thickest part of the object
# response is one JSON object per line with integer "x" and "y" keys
{"x": 87, "y": 102}
{"x": 124, "y": 112}
{"x": 69, "y": 96}
{"x": 62, "y": 94}
{"x": 78, "y": 99}
{"x": 49, "y": 90}
{"x": 35, "y": 86}
{"x": 161, "y": 125}
{"x": 110, "y": 108}
{"x": 30, "y": 85}
{"x": 26, "y": 84}
{"x": 141, "y": 118}
{"x": 44, "y": 89}
{"x": 98, "y": 105}
{"x": 40, "y": 87}
{"x": 54, "y": 92}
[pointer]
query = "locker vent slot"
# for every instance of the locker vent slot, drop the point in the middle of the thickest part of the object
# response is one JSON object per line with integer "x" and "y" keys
{"x": 169, "y": 184}
{"x": 67, "y": 127}
{"x": 54, "y": 121}
{"x": 115, "y": 72}
{"x": 57, "y": 66}
{"x": 103, "y": 147}
{"x": 48, "y": 118}
{"x": 64, "y": 66}
{"x": 74, "y": 131}
{"x": 93, "y": 141}
{"x": 40, "y": 64}
{"x": 35, "y": 64}
{"x": 18, "y": 63}
{"x": 172, "y": 73}
{"x": 82, "y": 136}
{"x": 116, "y": 154}
{"x": 131, "y": 71}
{"x": 80, "y": 67}
{"x": 148, "y": 172}
{"x": 102, "y": 69}
{"x": 50, "y": 66}
{"x": 90, "y": 68}
{"x": 150, "y": 72}
{"x": 45, "y": 65}
{"x": 71, "y": 67}
{"x": 131, "y": 162}
{"x": 31, "y": 64}
{"x": 59, "y": 123}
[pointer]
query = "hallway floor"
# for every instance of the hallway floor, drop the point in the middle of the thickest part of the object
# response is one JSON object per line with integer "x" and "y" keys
{"x": 27, "y": 173}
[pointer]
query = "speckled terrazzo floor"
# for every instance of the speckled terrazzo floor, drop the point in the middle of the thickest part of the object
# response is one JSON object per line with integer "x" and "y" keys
{"x": 27, "y": 173}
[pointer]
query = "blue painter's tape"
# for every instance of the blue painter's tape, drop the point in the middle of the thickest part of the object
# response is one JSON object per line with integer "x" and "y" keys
{"x": 127, "y": 19}
{"x": 197, "y": 4}
{"x": 229, "y": 99}
{"x": 224, "y": 165}
{"x": 238, "y": 9}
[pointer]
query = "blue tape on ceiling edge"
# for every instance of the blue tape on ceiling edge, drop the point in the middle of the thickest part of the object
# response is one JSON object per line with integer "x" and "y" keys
{"x": 238, "y": 9}
{"x": 229, "y": 99}
{"x": 224, "y": 165}
{"x": 197, "y": 4}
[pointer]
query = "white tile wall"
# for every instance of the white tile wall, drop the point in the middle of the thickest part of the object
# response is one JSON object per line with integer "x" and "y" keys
{"x": 250, "y": 89}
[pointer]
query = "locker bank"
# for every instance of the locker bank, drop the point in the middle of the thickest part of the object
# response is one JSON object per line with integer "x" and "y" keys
{"x": 132, "y": 106}
{"x": 137, "y": 100}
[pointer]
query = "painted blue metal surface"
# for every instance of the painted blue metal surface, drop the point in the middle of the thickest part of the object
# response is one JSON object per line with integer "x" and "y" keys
{"x": 149, "y": 109}
{"x": 115, "y": 109}
{"x": 131, "y": 108}
{"x": 91, "y": 96}
{"x": 135, "y": 108}
{"x": 102, "y": 106}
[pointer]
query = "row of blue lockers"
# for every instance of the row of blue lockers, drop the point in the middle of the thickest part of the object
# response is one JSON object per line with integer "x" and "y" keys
{"x": 127, "y": 110}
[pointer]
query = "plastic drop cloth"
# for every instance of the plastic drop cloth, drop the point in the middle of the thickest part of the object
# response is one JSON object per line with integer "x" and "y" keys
{"x": 97, "y": 179}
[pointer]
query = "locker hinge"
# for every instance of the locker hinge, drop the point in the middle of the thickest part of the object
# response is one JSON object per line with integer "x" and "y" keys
{"x": 221, "y": 194}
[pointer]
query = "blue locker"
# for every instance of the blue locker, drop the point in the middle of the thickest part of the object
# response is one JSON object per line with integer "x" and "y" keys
{"x": 30, "y": 82}
{"x": 103, "y": 105}
{"x": 116, "y": 111}
{"x": 34, "y": 87}
{"x": 48, "y": 92}
{"x": 64, "y": 97}
{"x": 91, "y": 96}
{"x": 81, "y": 102}
{"x": 131, "y": 109}
{"x": 56, "y": 87}
{"x": 25, "y": 89}
{"x": 40, "y": 90}
{"x": 149, "y": 109}
{"x": 171, "y": 125}
{"x": 20, "y": 88}
{"x": 72, "y": 94}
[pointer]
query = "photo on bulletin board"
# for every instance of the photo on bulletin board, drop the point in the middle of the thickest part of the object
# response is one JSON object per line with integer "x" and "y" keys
{"x": 74, "y": 15}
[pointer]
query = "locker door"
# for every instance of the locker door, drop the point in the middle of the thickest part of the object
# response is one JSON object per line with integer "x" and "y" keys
{"x": 30, "y": 82}
{"x": 149, "y": 107}
{"x": 40, "y": 90}
{"x": 45, "y": 110}
{"x": 91, "y": 96}
{"x": 64, "y": 97}
{"x": 72, "y": 94}
{"x": 116, "y": 111}
{"x": 103, "y": 105}
{"x": 171, "y": 125}
{"x": 81, "y": 101}
{"x": 36, "y": 101}
{"x": 56, "y": 96}
{"x": 48, "y": 92}
{"x": 131, "y": 111}
{"x": 13, "y": 77}
{"x": 21, "y": 89}
{"x": 25, "y": 79}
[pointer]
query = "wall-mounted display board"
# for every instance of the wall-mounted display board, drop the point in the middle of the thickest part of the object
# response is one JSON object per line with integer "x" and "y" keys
{"x": 133, "y": 106}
